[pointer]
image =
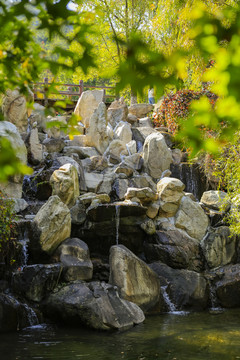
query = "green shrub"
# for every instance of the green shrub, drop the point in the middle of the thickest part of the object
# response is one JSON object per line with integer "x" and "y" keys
{"x": 7, "y": 230}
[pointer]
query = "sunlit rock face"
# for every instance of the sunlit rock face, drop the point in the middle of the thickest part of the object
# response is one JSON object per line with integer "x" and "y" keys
{"x": 14, "y": 109}
{"x": 13, "y": 188}
{"x": 51, "y": 226}
{"x": 135, "y": 280}
{"x": 87, "y": 104}
{"x": 64, "y": 182}
{"x": 156, "y": 155}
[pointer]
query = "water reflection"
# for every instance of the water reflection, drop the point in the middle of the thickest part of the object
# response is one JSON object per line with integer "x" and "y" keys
{"x": 193, "y": 336}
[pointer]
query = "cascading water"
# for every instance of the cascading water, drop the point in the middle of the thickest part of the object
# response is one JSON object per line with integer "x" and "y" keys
{"x": 31, "y": 315}
{"x": 170, "y": 305}
{"x": 24, "y": 253}
{"x": 117, "y": 219}
{"x": 214, "y": 304}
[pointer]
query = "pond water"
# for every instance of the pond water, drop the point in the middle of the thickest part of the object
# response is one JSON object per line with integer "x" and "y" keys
{"x": 170, "y": 336}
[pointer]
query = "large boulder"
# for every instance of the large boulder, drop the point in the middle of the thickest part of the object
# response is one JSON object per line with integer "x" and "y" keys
{"x": 35, "y": 150}
{"x": 74, "y": 256}
{"x": 117, "y": 112}
{"x": 95, "y": 305}
{"x": 215, "y": 199}
{"x": 14, "y": 107}
{"x": 170, "y": 192}
{"x": 14, "y": 315}
{"x": 64, "y": 182}
{"x": 227, "y": 286}
{"x": 191, "y": 218}
{"x": 135, "y": 280}
{"x": 140, "y": 110}
{"x": 174, "y": 248}
{"x": 145, "y": 195}
{"x": 51, "y": 226}
{"x": 219, "y": 247}
{"x": 34, "y": 282}
{"x": 96, "y": 134}
{"x": 123, "y": 132}
{"x": 87, "y": 104}
{"x": 186, "y": 289}
{"x": 13, "y": 188}
{"x": 156, "y": 155}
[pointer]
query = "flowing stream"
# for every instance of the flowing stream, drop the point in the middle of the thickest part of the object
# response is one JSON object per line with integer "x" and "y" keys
{"x": 197, "y": 336}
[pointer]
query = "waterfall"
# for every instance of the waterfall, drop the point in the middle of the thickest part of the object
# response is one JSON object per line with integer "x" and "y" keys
{"x": 117, "y": 218}
{"x": 31, "y": 315}
{"x": 170, "y": 305}
{"x": 24, "y": 254}
{"x": 214, "y": 304}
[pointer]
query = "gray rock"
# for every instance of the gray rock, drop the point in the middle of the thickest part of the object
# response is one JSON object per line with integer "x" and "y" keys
{"x": 35, "y": 281}
{"x": 135, "y": 280}
{"x": 191, "y": 218}
{"x": 87, "y": 104}
{"x": 96, "y": 305}
{"x": 14, "y": 107}
{"x": 140, "y": 110}
{"x": 219, "y": 247}
{"x": 53, "y": 145}
{"x": 74, "y": 256}
{"x": 13, "y": 188}
{"x": 215, "y": 199}
{"x": 228, "y": 285}
{"x": 52, "y": 225}
{"x": 186, "y": 289}
{"x": 175, "y": 249}
{"x": 156, "y": 155}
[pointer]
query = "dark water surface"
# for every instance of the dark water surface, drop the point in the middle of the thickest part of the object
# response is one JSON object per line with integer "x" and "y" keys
{"x": 176, "y": 337}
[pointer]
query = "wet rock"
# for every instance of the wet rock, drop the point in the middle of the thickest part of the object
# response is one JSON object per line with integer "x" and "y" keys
{"x": 175, "y": 249}
{"x": 73, "y": 254}
{"x": 228, "y": 285}
{"x": 14, "y": 315}
{"x": 95, "y": 305}
{"x": 36, "y": 281}
{"x": 105, "y": 221}
{"x": 78, "y": 213}
{"x": 135, "y": 280}
{"x": 186, "y": 289}
{"x": 219, "y": 247}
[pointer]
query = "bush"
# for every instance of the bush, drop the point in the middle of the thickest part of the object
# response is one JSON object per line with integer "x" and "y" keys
{"x": 176, "y": 106}
{"x": 7, "y": 230}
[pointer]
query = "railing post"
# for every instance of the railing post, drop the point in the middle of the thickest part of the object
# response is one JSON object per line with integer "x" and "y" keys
{"x": 104, "y": 95}
{"x": 45, "y": 92}
{"x": 80, "y": 87}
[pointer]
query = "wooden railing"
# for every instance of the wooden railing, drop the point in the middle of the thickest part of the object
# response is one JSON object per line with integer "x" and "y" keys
{"x": 41, "y": 91}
